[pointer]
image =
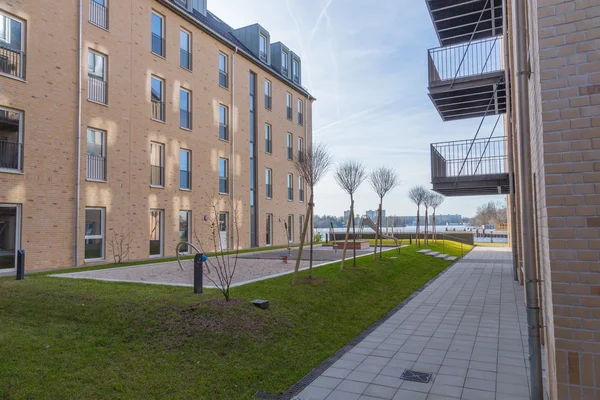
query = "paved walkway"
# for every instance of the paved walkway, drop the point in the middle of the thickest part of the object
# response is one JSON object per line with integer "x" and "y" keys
{"x": 467, "y": 329}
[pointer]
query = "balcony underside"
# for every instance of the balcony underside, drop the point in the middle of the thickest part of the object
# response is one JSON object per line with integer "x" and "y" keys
{"x": 455, "y": 21}
{"x": 470, "y": 97}
{"x": 475, "y": 185}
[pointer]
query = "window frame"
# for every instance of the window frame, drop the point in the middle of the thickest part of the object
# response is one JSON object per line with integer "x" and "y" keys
{"x": 290, "y": 146}
{"x": 20, "y": 143}
{"x": 290, "y": 187}
{"x": 288, "y": 102}
{"x": 296, "y": 77}
{"x": 225, "y": 72}
{"x": 300, "y": 112}
{"x": 188, "y": 214}
{"x": 268, "y": 183}
{"x": 300, "y": 189}
{"x": 93, "y": 77}
{"x": 161, "y": 233}
{"x": 226, "y": 177}
{"x": 162, "y": 99}
{"x": 224, "y": 126}
{"x": 188, "y": 170}
{"x": 189, "y": 48}
{"x": 160, "y": 146}
{"x": 162, "y": 35}
{"x": 268, "y": 96}
{"x": 290, "y": 232}
{"x": 102, "y": 155}
{"x": 189, "y": 108}
{"x": 8, "y": 35}
{"x": 263, "y": 55}
{"x": 96, "y": 237}
{"x": 285, "y": 59}
{"x": 268, "y": 139}
{"x": 90, "y": 12}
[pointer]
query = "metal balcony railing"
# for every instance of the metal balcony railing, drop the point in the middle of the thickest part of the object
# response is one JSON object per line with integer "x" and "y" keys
{"x": 157, "y": 175}
{"x": 185, "y": 59}
{"x": 185, "y": 119}
{"x": 462, "y": 158}
{"x": 12, "y": 61}
{"x": 284, "y": 71}
{"x": 289, "y": 113}
{"x": 98, "y": 14}
{"x": 267, "y": 102}
{"x": 269, "y": 190}
{"x": 158, "y": 45}
{"x": 290, "y": 153}
{"x": 158, "y": 110}
{"x": 11, "y": 155}
{"x": 268, "y": 145}
{"x": 97, "y": 88}
{"x": 185, "y": 179}
{"x": 300, "y": 118}
{"x": 263, "y": 56}
{"x": 464, "y": 60}
{"x": 96, "y": 167}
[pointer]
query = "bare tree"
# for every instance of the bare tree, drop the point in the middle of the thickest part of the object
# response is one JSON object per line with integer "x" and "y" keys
{"x": 437, "y": 201}
{"x": 120, "y": 245}
{"x": 350, "y": 175}
{"x": 382, "y": 181}
{"x": 427, "y": 203}
{"x": 417, "y": 195}
{"x": 312, "y": 166}
{"x": 224, "y": 261}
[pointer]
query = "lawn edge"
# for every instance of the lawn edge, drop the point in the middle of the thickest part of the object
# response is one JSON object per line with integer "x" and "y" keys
{"x": 319, "y": 369}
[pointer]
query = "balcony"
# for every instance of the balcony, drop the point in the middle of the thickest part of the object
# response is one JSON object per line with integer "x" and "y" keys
{"x": 11, "y": 155}
{"x": 158, "y": 110}
{"x": 97, "y": 88}
{"x": 459, "y": 21}
{"x": 12, "y": 61}
{"x": 98, "y": 14}
{"x": 470, "y": 167}
{"x": 158, "y": 45}
{"x": 185, "y": 59}
{"x": 467, "y": 80}
{"x": 96, "y": 168}
{"x": 157, "y": 175}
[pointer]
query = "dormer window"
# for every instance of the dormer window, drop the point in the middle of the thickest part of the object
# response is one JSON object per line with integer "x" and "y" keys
{"x": 284, "y": 63}
{"x": 296, "y": 71}
{"x": 262, "y": 47}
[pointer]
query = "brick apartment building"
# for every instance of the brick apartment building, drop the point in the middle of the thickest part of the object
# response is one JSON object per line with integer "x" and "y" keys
{"x": 545, "y": 84}
{"x": 134, "y": 117}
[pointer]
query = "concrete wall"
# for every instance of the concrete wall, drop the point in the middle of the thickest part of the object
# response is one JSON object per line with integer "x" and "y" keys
{"x": 48, "y": 97}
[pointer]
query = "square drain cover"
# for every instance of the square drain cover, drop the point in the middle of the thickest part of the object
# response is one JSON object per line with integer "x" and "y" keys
{"x": 414, "y": 376}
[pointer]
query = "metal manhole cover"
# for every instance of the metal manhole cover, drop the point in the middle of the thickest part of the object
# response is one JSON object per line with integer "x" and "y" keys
{"x": 414, "y": 376}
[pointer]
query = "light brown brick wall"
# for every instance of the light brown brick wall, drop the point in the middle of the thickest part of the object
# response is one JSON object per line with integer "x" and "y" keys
{"x": 49, "y": 100}
{"x": 565, "y": 104}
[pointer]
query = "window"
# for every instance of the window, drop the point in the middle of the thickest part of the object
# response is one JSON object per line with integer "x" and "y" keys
{"x": 290, "y": 187}
{"x": 97, "y": 85}
{"x": 94, "y": 234}
{"x": 185, "y": 53}
{"x": 223, "y": 123}
{"x": 10, "y": 235}
{"x": 284, "y": 63}
{"x": 185, "y": 169}
{"x": 288, "y": 102}
{"x": 267, "y": 94}
{"x": 268, "y": 139}
{"x": 185, "y": 231}
{"x": 300, "y": 112}
{"x": 301, "y": 223}
{"x": 300, "y": 189}
{"x": 296, "y": 71}
{"x": 157, "y": 164}
{"x": 158, "y": 30}
{"x": 290, "y": 149}
{"x": 156, "y": 233}
{"x": 11, "y": 140}
{"x": 262, "y": 47}
{"x": 269, "y": 230}
{"x": 157, "y": 98}
{"x": 300, "y": 149}
{"x": 96, "y": 155}
{"x": 185, "y": 109}
{"x": 12, "y": 46}
{"x": 269, "y": 183}
{"x": 223, "y": 176}
{"x": 290, "y": 228}
{"x": 99, "y": 13}
{"x": 223, "y": 78}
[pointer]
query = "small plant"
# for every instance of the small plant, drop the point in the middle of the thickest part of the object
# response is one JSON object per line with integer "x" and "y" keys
{"x": 318, "y": 237}
{"x": 120, "y": 245}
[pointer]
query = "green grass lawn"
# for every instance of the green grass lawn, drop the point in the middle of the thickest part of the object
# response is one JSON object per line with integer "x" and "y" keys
{"x": 71, "y": 338}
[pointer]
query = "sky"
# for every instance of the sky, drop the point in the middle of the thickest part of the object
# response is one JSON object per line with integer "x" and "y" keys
{"x": 367, "y": 67}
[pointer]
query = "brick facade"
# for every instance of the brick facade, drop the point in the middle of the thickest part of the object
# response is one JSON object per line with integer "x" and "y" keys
{"x": 46, "y": 190}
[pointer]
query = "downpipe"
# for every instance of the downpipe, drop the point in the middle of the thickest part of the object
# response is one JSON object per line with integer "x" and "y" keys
{"x": 525, "y": 179}
{"x": 232, "y": 219}
{"x": 78, "y": 171}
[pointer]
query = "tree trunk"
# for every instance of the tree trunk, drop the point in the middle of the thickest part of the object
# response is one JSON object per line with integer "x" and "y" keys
{"x": 350, "y": 218}
{"x": 434, "y": 227}
{"x": 353, "y": 235}
{"x": 425, "y": 238}
{"x": 312, "y": 231}
{"x": 377, "y": 223}
{"x": 418, "y": 223}
{"x": 380, "y": 224}
{"x": 308, "y": 215}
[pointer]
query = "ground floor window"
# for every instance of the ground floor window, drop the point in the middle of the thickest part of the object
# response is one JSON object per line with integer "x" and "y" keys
{"x": 94, "y": 234}
{"x": 290, "y": 228}
{"x": 10, "y": 224}
{"x": 184, "y": 230}
{"x": 156, "y": 233}
{"x": 223, "y": 230}
{"x": 269, "y": 230}
{"x": 301, "y": 227}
